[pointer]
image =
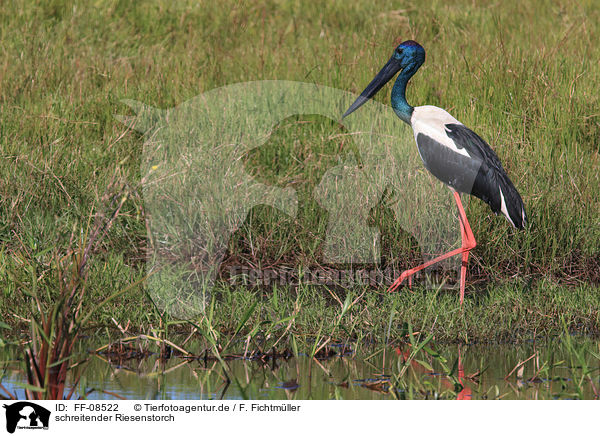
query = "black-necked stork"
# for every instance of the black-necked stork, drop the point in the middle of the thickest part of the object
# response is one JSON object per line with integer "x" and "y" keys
{"x": 450, "y": 151}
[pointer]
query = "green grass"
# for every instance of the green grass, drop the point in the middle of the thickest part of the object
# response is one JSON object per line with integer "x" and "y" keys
{"x": 497, "y": 313}
{"x": 530, "y": 90}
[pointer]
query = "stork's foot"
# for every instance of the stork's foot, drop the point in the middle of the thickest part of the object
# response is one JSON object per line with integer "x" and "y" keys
{"x": 468, "y": 243}
{"x": 405, "y": 275}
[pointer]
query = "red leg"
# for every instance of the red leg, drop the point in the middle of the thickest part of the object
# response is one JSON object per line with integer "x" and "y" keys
{"x": 463, "y": 275}
{"x": 468, "y": 243}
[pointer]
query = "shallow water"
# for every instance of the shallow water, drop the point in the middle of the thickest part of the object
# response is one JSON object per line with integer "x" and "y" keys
{"x": 555, "y": 372}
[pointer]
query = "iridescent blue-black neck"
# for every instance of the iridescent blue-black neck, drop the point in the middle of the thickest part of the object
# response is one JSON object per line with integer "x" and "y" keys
{"x": 399, "y": 103}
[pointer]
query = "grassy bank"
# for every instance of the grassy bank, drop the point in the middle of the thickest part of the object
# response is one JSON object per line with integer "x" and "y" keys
{"x": 530, "y": 90}
{"x": 312, "y": 316}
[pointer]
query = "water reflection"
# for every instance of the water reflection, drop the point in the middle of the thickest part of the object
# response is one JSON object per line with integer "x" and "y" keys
{"x": 461, "y": 372}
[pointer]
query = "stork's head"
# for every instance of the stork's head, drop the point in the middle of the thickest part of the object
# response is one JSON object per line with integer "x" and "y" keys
{"x": 408, "y": 53}
{"x": 408, "y": 56}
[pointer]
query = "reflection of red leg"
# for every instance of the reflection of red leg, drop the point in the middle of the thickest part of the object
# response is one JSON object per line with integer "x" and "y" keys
{"x": 468, "y": 243}
{"x": 465, "y": 393}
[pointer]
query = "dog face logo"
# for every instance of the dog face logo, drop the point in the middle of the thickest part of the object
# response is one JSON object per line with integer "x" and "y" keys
{"x": 26, "y": 415}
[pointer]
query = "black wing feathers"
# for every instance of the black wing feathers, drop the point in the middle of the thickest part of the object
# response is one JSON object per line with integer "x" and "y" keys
{"x": 465, "y": 138}
{"x": 481, "y": 174}
{"x": 491, "y": 179}
{"x": 454, "y": 169}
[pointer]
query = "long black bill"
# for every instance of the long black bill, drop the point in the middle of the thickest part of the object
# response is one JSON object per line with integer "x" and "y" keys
{"x": 388, "y": 71}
